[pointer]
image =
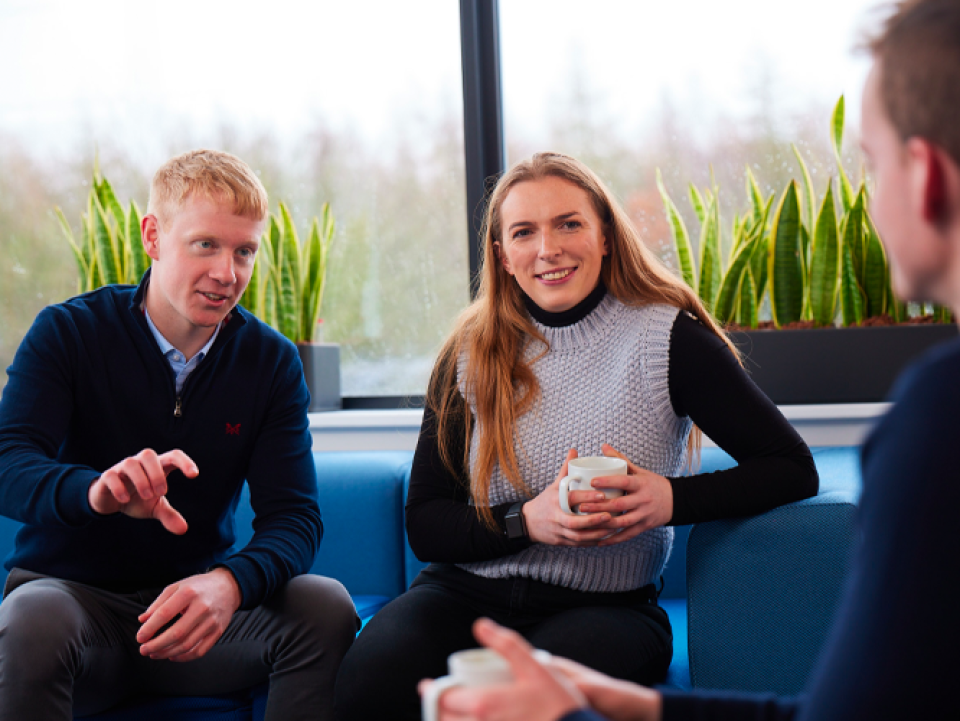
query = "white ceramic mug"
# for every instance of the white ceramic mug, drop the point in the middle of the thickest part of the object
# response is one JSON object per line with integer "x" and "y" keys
{"x": 473, "y": 667}
{"x": 582, "y": 471}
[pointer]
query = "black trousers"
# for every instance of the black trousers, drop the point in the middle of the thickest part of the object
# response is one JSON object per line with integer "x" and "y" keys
{"x": 625, "y": 635}
{"x": 67, "y": 648}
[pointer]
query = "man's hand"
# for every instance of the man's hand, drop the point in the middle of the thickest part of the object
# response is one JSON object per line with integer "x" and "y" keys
{"x": 536, "y": 694}
{"x": 610, "y": 697}
{"x": 137, "y": 487}
{"x": 200, "y": 607}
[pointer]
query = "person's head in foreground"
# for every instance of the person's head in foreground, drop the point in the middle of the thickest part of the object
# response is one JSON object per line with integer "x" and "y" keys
{"x": 206, "y": 213}
{"x": 911, "y": 140}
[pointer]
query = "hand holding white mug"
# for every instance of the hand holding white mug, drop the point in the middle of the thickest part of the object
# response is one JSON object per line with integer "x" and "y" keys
{"x": 647, "y": 501}
{"x": 547, "y": 523}
{"x": 506, "y": 681}
{"x": 582, "y": 473}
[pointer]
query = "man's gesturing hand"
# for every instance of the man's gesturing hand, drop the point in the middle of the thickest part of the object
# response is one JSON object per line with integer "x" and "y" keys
{"x": 201, "y": 608}
{"x": 137, "y": 487}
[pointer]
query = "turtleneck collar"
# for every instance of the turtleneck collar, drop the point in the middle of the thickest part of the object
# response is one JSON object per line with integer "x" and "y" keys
{"x": 566, "y": 317}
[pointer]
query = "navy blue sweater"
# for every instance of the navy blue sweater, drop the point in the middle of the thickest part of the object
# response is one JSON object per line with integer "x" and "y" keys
{"x": 892, "y": 651}
{"x": 89, "y": 387}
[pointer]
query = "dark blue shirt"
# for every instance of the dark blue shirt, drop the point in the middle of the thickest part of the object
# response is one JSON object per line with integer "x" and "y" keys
{"x": 893, "y": 649}
{"x": 89, "y": 387}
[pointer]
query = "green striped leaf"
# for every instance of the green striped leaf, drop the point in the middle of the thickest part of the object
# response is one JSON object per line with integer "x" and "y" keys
{"x": 108, "y": 200}
{"x": 83, "y": 267}
{"x": 875, "y": 271}
{"x": 681, "y": 239}
{"x": 786, "y": 269}
{"x": 738, "y": 235}
{"x": 710, "y": 271}
{"x": 107, "y": 245}
{"x": 747, "y": 308}
{"x": 809, "y": 195}
{"x": 728, "y": 296}
{"x": 696, "y": 200}
{"x": 274, "y": 247}
{"x": 825, "y": 263}
{"x": 290, "y": 278}
{"x": 836, "y": 138}
{"x": 851, "y": 296}
{"x": 756, "y": 197}
{"x": 310, "y": 300}
{"x": 853, "y": 236}
{"x": 140, "y": 261}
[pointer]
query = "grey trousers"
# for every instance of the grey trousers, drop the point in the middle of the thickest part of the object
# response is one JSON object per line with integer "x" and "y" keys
{"x": 67, "y": 648}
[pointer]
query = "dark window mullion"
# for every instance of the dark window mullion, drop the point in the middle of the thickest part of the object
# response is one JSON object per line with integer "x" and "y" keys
{"x": 482, "y": 113}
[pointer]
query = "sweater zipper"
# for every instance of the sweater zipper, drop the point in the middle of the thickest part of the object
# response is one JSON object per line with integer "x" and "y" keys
{"x": 177, "y": 409}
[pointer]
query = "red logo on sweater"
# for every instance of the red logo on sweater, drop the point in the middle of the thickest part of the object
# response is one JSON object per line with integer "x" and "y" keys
{"x": 233, "y": 430}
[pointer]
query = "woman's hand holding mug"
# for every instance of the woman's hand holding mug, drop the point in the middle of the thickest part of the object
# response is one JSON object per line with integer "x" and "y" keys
{"x": 647, "y": 501}
{"x": 547, "y": 523}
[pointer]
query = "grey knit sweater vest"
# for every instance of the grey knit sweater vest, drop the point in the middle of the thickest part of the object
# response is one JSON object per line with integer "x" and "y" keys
{"x": 603, "y": 380}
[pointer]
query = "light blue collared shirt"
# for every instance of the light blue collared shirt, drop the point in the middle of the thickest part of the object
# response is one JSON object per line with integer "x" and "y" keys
{"x": 177, "y": 360}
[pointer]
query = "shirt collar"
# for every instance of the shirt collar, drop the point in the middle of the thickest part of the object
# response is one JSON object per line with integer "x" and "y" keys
{"x": 166, "y": 346}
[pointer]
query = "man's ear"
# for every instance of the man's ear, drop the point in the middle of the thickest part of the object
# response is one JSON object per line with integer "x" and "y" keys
{"x": 502, "y": 257}
{"x": 928, "y": 182}
{"x": 150, "y": 232}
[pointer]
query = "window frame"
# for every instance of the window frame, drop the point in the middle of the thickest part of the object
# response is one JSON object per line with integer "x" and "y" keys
{"x": 483, "y": 146}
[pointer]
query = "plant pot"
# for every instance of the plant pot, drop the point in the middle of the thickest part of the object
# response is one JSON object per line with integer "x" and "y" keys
{"x": 834, "y": 365}
{"x": 321, "y": 370}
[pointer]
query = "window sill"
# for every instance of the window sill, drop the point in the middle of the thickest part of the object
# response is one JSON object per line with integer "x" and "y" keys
{"x": 397, "y": 430}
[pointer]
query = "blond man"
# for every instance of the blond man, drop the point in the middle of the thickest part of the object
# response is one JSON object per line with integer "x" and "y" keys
{"x": 130, "y": 420}
{"x": 892, "y": 653}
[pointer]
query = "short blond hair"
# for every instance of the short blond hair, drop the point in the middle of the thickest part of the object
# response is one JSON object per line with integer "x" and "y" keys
{"x": 209, "y": 174}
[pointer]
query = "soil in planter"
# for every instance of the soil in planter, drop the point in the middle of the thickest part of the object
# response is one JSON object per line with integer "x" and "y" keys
{"x": 879, "y": 320}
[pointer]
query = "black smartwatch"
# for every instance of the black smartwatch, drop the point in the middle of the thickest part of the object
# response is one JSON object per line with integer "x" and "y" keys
{"x": 516, "y": 527}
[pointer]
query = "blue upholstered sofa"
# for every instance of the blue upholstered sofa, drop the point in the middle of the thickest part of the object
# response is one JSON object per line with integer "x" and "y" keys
{"x": 750, "y": 599}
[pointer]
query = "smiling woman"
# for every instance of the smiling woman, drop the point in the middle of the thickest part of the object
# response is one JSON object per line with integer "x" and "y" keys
{"x": 554, "y": 242}
{"x": 579, "y": 342}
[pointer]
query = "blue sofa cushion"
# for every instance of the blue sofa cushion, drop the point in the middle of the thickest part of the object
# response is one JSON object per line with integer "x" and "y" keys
{"x": 761, "y": 593}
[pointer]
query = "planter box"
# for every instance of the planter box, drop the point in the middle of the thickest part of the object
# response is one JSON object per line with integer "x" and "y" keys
{"x": 834, "y": 365}
{"x": 321, "y": 370}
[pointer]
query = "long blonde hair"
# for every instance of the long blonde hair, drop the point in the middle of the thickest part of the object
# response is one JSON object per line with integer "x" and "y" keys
{"x": 491, "y": 334}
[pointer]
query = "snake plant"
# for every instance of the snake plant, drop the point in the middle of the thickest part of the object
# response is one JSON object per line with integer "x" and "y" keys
{"x": 286, "y": 287}
{"x": 109, "y": 249}
{"x": 814, "y": 265}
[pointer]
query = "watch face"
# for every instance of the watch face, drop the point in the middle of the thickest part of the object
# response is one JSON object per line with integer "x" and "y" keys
{"x": 516, "y": 528}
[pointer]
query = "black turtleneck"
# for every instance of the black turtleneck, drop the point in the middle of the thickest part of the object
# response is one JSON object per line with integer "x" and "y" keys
{"x": 774, "y": 465}
{"x": 566, "y": 317}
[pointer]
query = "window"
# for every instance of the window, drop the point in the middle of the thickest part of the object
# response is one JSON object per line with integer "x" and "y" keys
{"x": 685, "y": 86}
{"x": 358, "y": 104}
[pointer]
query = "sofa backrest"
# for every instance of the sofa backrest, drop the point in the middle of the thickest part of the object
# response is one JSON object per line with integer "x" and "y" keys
{"x": 361, "y": 501}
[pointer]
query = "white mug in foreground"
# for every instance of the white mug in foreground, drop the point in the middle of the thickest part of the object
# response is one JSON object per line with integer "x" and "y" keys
{"x": 473, "y": 667}
{"x": 583, "y": 471}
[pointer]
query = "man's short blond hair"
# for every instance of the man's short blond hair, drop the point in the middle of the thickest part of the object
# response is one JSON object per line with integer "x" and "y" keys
{"x": 212, "y": 174}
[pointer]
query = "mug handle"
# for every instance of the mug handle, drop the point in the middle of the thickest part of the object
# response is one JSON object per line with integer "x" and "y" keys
{"x": 564, "y": 491}
{"x": 431, "y": 699}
